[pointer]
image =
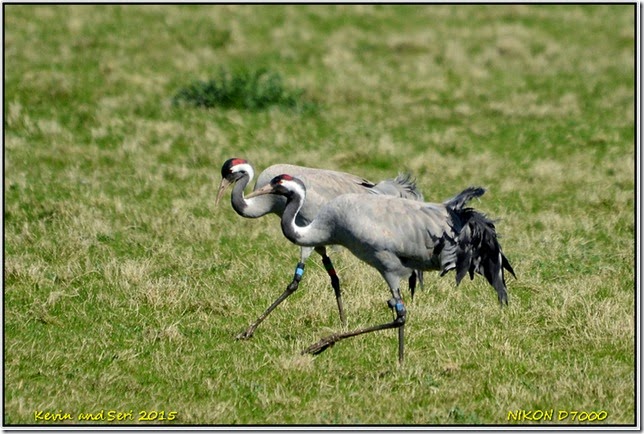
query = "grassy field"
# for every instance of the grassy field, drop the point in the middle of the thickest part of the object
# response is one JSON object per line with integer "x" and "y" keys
{"x": 124, "y": 285}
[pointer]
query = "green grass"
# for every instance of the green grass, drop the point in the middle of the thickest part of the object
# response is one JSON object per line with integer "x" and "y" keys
{"x": 125, "y": 286}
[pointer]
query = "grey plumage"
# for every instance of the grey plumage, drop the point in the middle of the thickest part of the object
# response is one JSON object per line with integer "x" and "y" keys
{"x": 402, "y": 185}
{"x": 322, "y": 186}
{"x": 397, "y": 236}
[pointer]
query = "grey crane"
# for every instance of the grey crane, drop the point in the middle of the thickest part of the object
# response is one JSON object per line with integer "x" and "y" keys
{"x": 397, "y": 236}
{"x": 322, "y": 185}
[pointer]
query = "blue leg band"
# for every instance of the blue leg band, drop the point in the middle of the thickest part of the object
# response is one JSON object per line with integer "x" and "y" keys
{"x": 299, "y": 271}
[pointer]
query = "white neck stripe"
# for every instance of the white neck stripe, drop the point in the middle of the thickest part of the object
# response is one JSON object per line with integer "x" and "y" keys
{"x": 244, "y": 167}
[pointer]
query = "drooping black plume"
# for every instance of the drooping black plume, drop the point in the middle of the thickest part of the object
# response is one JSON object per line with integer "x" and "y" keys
{"x": 478, "y": 246}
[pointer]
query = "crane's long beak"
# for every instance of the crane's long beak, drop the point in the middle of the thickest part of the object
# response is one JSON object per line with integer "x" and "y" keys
{"x": 222, "y": 187}
{"x": 267, "y": 189}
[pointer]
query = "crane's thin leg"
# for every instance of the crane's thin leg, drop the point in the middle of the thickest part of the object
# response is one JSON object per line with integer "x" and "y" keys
{"x": 396, "y": 304}
{"x": 415, "y": 278}
{"x": 290, "y": 289}
{"x": 401, "y": 343}
{"x": 412, "y": 284}
{"x": 335, "y": 282}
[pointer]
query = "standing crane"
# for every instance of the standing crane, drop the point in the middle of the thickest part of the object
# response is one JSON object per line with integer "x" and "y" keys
{"x": 397, "y": 236}
{"x": 322, "y": 185}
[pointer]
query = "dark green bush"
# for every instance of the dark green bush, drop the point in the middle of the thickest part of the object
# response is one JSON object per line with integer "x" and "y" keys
{"x": 243, "y": 89}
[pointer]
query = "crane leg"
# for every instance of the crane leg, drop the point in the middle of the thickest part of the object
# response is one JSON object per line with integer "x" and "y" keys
{"x": 398, "y": 307}
{"x": 412, "y": 284}
{"x": 335, "y": 283}
{"x": 416, "y": 278}
{"x": 290, "y": 289}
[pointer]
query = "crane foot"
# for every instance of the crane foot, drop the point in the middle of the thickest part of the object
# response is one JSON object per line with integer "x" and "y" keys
{"x": 321, "y": 345}
{"x": 246, "y": 334}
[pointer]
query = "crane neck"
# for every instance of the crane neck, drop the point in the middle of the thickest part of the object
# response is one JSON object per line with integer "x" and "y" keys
{"x": 237, "y": 199}
{"x": 256, "y": 206}
{"x": 308, "y": 235}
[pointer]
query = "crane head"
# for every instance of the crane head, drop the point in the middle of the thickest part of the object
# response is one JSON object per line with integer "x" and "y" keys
{"x": 232, "y": 171}
{"x": 283, "y": 185}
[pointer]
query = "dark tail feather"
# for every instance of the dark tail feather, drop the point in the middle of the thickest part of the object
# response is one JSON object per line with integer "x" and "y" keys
{"x": 460, "y": 200}
{"x": 507, "y": 266}
{"x": 401, "y": 186}
{"x": 478, "y": 246}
